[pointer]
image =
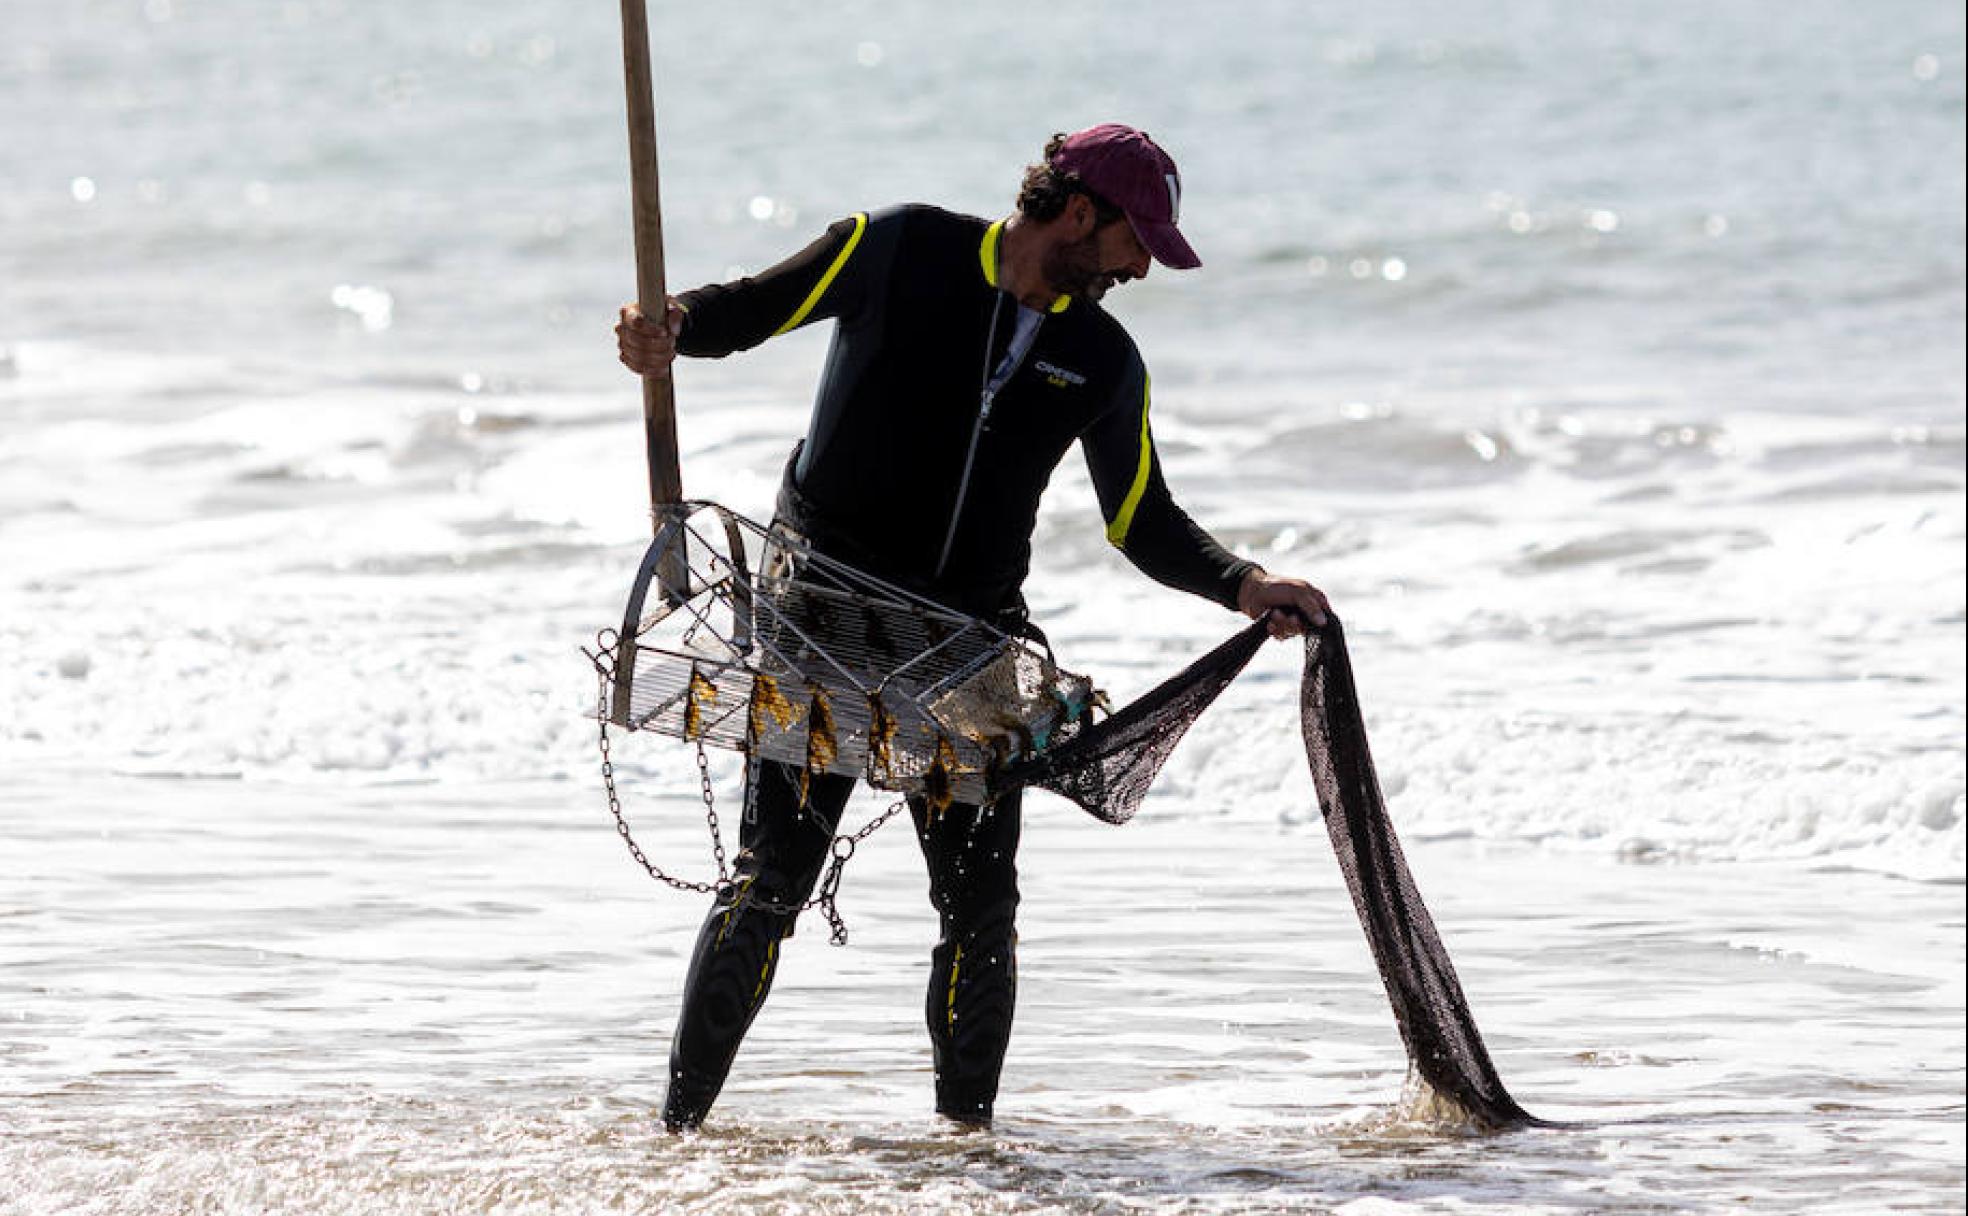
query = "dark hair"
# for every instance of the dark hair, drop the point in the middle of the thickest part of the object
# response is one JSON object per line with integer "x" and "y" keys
{"x": 1047, "y": 189}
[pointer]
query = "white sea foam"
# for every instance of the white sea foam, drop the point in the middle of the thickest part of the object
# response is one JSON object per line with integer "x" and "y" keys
{"x": 1733, "y": 640}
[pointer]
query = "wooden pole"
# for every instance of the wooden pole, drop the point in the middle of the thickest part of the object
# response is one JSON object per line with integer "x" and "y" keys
{"x": 658, "y": 392}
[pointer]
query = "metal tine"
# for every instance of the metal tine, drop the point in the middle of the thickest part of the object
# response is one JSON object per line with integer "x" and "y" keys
{"x": 927, "y": 654}
{"x": 705, "y": 622}
{"x": 816, "y": 647}
{"x": 667, "y": 687}
{"x": 868, "y": 591}
{"x": 852, "y": 579}
{"x": 927, "y": 664}
{"x": 709, "y": 727}
{"x": 715, "y": 718}
{"x": 720, "y": 585}
{"x": 645, "y": 721}
{"x": 775, "y": 652}
{"x": 961, "y": 668}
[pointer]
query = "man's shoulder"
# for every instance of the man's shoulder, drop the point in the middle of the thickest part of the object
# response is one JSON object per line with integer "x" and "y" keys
{"x": 1101, "y": 330}
{"x": 922, "y": 242}
{"x": 929, "y": 220}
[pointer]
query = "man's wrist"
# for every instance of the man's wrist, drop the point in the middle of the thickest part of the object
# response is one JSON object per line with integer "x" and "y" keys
{"x": 1247, "y": 589}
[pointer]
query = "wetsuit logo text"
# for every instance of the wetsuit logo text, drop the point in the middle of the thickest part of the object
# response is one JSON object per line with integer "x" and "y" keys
{"x": 1058, "y": 376}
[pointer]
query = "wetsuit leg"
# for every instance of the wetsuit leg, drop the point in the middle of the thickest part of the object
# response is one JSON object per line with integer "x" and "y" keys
{"x": 784, "y": 842}
{"x": 973, "y": 882}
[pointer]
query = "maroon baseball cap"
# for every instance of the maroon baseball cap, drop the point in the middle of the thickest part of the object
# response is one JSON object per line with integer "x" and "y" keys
{"x": 1126, "y": 168}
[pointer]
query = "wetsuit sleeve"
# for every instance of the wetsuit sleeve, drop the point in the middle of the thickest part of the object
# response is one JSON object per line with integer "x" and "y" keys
{"x": 1142, "y": 520}
{"x": 820, "y": 281}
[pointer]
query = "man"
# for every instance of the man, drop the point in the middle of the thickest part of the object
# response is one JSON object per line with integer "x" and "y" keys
{"x": 967, "y": 358}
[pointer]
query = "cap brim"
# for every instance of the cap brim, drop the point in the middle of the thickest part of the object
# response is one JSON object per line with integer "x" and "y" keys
{"x": 1165, "y": 244}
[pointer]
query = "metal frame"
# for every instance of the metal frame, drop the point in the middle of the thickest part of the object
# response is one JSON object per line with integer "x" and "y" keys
{"x": 765, "y": 645}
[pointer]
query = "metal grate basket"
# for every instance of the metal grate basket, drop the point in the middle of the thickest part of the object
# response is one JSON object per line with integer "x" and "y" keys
{"x": 760, "y": 644}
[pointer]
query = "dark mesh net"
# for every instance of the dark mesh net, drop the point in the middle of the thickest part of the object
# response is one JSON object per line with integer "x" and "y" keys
{"x": 1456, "y": 1078}
{"x": 1107, "y": 769}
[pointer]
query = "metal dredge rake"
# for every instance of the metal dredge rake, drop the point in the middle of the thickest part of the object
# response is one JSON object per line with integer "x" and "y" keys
{"x": 759, "y": 644}
{"x": 762, "y": 645}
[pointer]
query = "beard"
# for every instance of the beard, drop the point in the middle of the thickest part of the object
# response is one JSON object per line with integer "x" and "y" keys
{"x": 1074, "y": 270}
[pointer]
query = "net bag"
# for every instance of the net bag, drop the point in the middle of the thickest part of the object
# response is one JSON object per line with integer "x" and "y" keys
{"x": 1451, "y": 1075}
{"x": 1107, "y": 769}
{"x": 747, "y": 638}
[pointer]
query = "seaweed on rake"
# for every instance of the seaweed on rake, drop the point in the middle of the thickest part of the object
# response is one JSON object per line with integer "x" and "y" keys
{"x": 767, "y": 704}
{"x": 881, "y": 741}
{"x": 939, "y": 790}
{"x": 822, "y": 741}
{"x": 702, "y": 695}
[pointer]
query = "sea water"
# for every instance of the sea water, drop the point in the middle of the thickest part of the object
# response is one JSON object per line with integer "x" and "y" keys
{"x": 1603, "y": 363}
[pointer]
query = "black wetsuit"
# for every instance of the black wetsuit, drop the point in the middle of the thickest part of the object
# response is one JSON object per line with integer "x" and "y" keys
{"x": 942, "y": 412}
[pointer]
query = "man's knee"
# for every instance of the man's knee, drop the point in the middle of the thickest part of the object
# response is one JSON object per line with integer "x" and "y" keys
{"x": 759, "y": 895}
{"x": 973, "y": 862}
{"x": 974, "y": 896}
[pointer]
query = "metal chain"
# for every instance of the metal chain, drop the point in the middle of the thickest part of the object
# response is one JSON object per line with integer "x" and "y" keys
{"x": 840, "y": 849}
{"x": 711, "y": 811}
{"x": 843, "y": 848}
{"x": 635, "y": 850}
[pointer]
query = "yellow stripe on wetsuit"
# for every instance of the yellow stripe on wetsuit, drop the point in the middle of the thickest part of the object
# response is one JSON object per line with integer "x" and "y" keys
{"x": 765, "y": 971}
{"x": 987, "y": 252}
{"x": 1117, "y": 531}
{"x": 826, "y": 280}
{"x": 951, "y": 1006}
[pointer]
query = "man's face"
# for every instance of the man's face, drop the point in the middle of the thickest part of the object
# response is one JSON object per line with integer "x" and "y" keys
{"x": 1108, "y": 256}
